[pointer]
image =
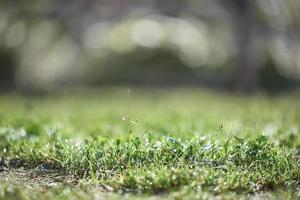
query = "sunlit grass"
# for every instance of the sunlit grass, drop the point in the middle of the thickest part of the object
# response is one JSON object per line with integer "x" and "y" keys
{"x": 157, "y": 142}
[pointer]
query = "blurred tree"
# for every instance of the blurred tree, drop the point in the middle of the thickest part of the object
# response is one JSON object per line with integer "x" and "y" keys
{"x": 7, "y": 69}
{"x": 245, "y": 24}
{"x": 271, "y": 80}
{"x": 274, "y": 21}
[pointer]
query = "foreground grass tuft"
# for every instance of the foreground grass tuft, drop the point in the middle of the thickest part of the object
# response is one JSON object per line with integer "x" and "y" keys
{"x": 159, "y": 164}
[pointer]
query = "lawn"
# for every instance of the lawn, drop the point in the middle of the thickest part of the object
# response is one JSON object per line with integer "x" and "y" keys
{"x": 120, "y": 143}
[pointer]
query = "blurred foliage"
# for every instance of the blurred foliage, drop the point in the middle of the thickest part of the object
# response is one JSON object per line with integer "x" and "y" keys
{"x": 50, "y": 43}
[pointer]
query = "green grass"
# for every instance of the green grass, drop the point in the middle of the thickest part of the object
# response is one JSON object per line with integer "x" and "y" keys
{"x": 181, "y": 143}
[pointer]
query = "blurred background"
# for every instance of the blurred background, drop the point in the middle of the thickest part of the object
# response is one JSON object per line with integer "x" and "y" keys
{"x": 232, "y": 45}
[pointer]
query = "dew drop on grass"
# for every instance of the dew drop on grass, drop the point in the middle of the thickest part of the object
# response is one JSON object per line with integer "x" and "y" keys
{"x": 207, "y": 147}
{"x": 174, "y": 177}
{"x": 20, "y": 133}
{"x": 203, "y": 138}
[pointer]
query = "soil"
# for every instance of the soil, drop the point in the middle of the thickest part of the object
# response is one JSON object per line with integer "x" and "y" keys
{"x": 36, "y": 178}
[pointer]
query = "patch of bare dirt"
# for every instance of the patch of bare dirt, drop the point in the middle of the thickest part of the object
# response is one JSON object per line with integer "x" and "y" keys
{"x": 36, "y": 177}
{"x": 16, "y": 171}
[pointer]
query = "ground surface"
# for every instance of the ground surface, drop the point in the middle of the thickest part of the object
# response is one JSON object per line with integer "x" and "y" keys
{"x": 170, "y": 144}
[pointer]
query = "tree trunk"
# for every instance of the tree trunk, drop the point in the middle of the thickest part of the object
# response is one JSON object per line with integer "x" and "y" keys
{"x": 246, "y": 75}
{"x": 7, "y": 70}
